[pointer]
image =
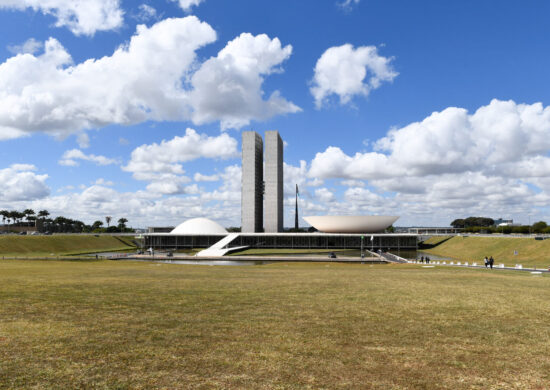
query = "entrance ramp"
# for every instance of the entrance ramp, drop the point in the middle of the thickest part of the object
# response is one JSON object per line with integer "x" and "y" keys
{"x": 220, "y": 248}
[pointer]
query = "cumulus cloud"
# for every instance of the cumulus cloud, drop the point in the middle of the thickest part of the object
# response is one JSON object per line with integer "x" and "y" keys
{"x": 500, "y": 138}
{"x": 493, "y": 161}
{"x": 82, "y": 17}
{"x": 70, "y": 158}
{"x": 186, "y": 5}
{"x": 30, "y": 46}
{"x": 228, "y": 87}
{"x": 161, "y": 163}
{"x": 142, "y": 80}
{"x": 20, "y": 182}
{"x": 346, "y": 71}
{"x": 147, "y": 161}
{"x": 324, "y": 195}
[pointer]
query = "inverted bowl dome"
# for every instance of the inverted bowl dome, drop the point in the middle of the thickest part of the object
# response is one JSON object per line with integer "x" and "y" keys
{"x": 199, "y": 226}
{"x": 351, "y": 223}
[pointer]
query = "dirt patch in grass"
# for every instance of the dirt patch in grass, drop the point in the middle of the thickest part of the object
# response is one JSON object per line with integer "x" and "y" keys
{"x": 292, "y": 326}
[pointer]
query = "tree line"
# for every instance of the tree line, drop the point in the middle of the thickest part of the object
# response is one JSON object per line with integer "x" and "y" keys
{"x": 487, "y": 225}
{"x": 43, "y": 223}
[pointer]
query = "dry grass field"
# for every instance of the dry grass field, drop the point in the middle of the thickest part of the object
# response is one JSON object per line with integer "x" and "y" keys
{"x": 140, "y": 325}
{"x": 530, "y": 252}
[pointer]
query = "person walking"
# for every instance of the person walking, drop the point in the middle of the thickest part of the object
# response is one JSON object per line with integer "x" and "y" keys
{"x": 486, "y": 261}
{"x": 491, "y": 261}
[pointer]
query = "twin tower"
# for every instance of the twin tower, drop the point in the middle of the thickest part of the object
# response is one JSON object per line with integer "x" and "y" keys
{"x": 254, "y": 186}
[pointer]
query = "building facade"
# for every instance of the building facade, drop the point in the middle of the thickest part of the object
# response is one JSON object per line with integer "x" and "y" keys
{"x": 252, "y": 183}
{"x": 273, "y": 222}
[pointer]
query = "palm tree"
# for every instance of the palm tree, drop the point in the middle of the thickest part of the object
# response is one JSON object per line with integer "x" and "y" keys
{"x": 108, "y": 220}
{"x": 122, "y": 223}
{"x": 4, "y": 214}
{"x": 42, "y": 214}
{"x": 29, "y": 215}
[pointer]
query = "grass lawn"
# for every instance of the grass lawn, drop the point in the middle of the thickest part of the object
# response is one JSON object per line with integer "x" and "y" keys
{"x": 60, "y": 245}
{"x": 530, "y": 252}
{"x": 281, "y": 326}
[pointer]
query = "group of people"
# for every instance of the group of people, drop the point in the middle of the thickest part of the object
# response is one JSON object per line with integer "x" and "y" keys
{"x": 489, "y": 262}
{"x": 425, "y": 259}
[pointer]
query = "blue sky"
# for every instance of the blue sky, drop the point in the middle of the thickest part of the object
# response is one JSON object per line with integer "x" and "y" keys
{"x": 429, "y": 110}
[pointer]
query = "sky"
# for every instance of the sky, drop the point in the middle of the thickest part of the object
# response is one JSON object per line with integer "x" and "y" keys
{"x": 429, "y": 110}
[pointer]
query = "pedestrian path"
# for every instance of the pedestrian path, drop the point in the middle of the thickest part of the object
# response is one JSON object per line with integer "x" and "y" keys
{"x": 517, "y": 267}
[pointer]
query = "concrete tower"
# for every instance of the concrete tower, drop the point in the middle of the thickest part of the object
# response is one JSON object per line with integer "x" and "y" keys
{"x": 273, "y": 182}
{"x": 252, "y": 183}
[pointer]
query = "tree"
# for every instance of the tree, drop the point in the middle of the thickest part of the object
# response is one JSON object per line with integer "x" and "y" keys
{"x": 108, "y": 220}
{"x": 458, "y": 223}
{"x": 43, "y": 214}
{"x": 538, "y": 227}
{"x": 472, "y": 221}
{"x": 122, "y": 223}
{"x": 4, "y": 214}
{"x": 29, "y": 215}
{"x": 97, "y": 225}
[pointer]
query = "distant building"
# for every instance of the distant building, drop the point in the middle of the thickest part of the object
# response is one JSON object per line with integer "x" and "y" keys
{"x": 161, "y": 229}
{"x": 254, "y": 187}
{"x": 434, "y": 230}
{"x": 503, "y": 222}
{"x": 252, "y": 182}
{"x": 273, "y": 182}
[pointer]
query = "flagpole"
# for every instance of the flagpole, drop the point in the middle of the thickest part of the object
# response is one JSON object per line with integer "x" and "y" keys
{"x": 296, "y": 212}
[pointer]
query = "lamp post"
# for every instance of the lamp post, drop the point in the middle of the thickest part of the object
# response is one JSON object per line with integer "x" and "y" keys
{"x": 362, "y": 254}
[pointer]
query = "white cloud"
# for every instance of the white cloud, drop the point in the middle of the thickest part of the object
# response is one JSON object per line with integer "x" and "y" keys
{"x": 200, "y": 177}
{"x": 142, "y": 80}
{"x": 82, "y": 17}
{"x": 103, "y": 182}
{"x": 19, "y": 182}
{"x": 353, "y": 183}
{"x": 324, "y": 195}
{"x": 502, "y": 138}
{"x": 83, "y": 140}
{"x": 346, "y": 72}
{"x": 347, "y": 4}
{"x": 228, "y": 87}
{"x": 30, "y": 46}
{"x": 295, "y": 176}
{"x": 172, "y": 187}
{"x": 161, "y": 164}
{"x": 494, "y": 161}
{"x": 186, "y": 5}
{"x": 148, "y": 161}
{"x": 70, "y": 158}
{"x": 145, "y": 13}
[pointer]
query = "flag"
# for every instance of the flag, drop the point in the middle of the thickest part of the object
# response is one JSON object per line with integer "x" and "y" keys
{"x": 371, "y": 238}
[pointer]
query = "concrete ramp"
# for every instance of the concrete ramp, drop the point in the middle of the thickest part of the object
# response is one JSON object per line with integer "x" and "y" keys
{"x": 220, "y": 248}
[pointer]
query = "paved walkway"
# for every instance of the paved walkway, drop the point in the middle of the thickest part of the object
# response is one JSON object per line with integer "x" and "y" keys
{"x": 497, "y": 267}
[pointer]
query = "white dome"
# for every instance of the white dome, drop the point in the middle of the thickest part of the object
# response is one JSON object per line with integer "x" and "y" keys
{"x": 351, "y": 223}
{"x": 199, "y": 226}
